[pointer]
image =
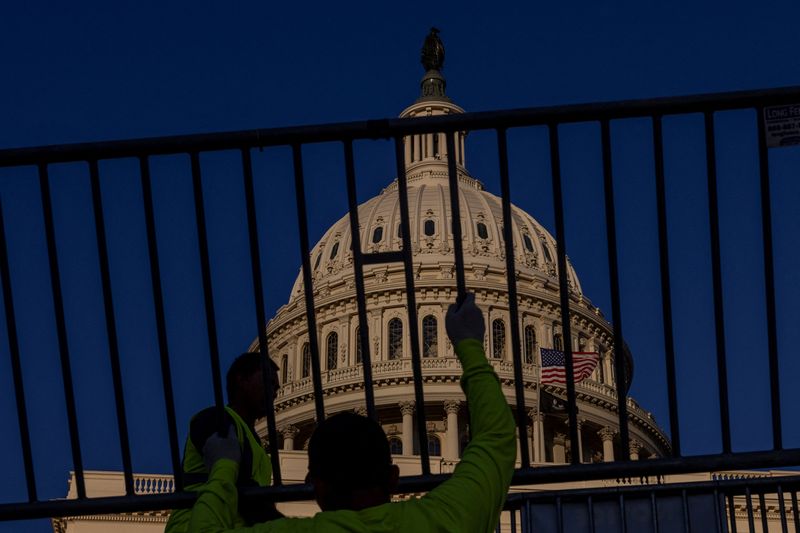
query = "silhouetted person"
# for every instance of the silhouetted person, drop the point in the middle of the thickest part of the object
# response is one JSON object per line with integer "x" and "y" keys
{"x": 246, "y": 404}
{"x": 351, "y": 469}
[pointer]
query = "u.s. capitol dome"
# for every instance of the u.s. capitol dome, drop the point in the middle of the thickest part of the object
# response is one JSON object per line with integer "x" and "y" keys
{"x": 534, "y": 247}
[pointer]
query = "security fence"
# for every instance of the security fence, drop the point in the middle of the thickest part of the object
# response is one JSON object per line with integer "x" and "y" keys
{"x": 525, "y": 508}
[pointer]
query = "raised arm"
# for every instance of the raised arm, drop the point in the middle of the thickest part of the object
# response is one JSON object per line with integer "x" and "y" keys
{"x": 472, "y": 499}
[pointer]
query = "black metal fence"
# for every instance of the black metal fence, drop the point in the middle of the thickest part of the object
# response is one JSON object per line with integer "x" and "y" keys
{"x": 42, "y": 159}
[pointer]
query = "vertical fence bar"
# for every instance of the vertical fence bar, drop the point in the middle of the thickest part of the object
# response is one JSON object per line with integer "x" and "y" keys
{"x": 769, "y": 284}
{"x": 513, "y": 520}
{"x": 561, "y": 252}
{"x": 308, "y": 283}
{"x": 455, "y": 212}
{"x": 750, "y": 518}
{"x": 513, "y": 303}
{"x": 622, "y": 514}
{"x": 718, "y": 511}
{"x": 687, "y": 526}
{"x": 716, "y": 268}
{"x": 413, "y": 326}
{"x": 16, "y": 366}
{"x": 762, "y": 504}
{"x": 358, "y": 271}
{"x": 613, "y": 272}
{"x": 654, "y": 510}
{"x": 795, "y": 512}
{"x": 161, "y": 324}
{"x": 61, "y": 330}
{"x": 111, "y": 325}
{"x": 261, "y": 319}
{"x": 782, "y": 510}
{"x": 559, "y": 515}
{"x": 732, "y": 513}
{"x": 590, "y": 506}
{"x": 208, "y": 294}
{"x": 666, "y": 292}
{"x": 526, "y": 518}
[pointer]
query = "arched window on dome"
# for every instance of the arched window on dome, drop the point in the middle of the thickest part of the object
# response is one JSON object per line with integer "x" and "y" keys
{"x": 429, "y": 228}
{"x": 358, "y": 344}
{"x": 528, "y": 242}
{"x": 483, "y": 233}
{"x": 430, "y": 345}
{"x": 395, "y": 338}
{"x": 498, "y": 338}
{"x": 395, "y": 446}
{"x": 558, "y": 342}
{"x": 334, "y": 250}
{"x": 434, "y": 446}
{"x": 546, "y": 249}
{"x": 306, "y": 370}
{"x": 284, "y": 369}
{"x": 319, "y": 258}
{"x": 332, "y": 351}
{"x": 377, "y": 235}
{"x": 530, "y": 344}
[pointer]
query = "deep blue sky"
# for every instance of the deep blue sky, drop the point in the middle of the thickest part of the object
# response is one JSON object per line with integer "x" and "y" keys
{"x": 102, "y": 71}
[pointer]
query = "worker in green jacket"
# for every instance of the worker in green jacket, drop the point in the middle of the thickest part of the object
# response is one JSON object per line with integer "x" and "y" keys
{"x": 246, "y": 404}
{"x": 351, "y": 470}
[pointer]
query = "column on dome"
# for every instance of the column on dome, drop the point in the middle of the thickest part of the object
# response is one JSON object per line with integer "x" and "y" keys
{"x": 407, "y": 410}
{"x": 461, "y": 152}
{"x": 451, "y": 407}
{"x": 607, "y": 435}
{"x": 407, "y": 148}
{"x": 417, "y": 148}
{"x": 635, "y": 448}
{"x": 608, "y": 367}
{"x": 559, "y": 448}
{"x": 579, "y": 448}
{"x": 537, "y": 438}
{"x": 289, "y": 433}
{"x": 429, "y": 145}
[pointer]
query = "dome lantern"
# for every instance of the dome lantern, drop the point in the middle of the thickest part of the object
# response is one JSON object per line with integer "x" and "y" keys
{"x": 427, "y": 153}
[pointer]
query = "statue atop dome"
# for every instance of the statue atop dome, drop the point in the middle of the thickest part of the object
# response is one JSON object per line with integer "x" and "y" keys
{"x": 432, "y": 56}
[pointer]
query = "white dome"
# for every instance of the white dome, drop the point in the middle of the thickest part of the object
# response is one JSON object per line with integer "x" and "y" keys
{"x": 431, "y": 237}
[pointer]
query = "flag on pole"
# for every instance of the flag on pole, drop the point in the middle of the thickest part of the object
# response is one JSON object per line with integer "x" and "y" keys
{"x": 554, "y": 366}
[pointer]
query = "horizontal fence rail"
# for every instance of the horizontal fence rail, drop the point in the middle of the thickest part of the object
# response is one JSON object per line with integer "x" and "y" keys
{"x": 499, "y": 123}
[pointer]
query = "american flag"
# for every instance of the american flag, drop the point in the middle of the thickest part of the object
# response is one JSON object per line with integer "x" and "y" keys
{"x": 553, "y": 366}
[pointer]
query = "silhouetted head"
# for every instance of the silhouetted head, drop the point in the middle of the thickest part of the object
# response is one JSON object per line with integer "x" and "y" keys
{"x": 349, "y": 463}
{"x": 245, "y": 385}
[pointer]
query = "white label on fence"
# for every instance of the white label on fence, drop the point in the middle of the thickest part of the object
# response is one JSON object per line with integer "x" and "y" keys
{"x": 782, "y": 125}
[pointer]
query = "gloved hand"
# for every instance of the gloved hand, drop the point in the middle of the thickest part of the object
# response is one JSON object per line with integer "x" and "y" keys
{"x": 217, "y": 448}
{"x": 465, "y": 321}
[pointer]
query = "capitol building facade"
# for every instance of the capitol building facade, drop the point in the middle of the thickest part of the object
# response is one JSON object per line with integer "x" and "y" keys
{"x": 426, "y": 164}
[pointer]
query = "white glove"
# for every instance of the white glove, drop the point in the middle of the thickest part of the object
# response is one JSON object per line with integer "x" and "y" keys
{"x": 226, "y": 447}
{"x": 465, "y": 322}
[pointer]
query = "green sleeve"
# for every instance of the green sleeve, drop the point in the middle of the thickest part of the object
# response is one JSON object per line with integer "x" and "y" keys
{"x": 215, "y": 508}
{"x": 471, "y": 500}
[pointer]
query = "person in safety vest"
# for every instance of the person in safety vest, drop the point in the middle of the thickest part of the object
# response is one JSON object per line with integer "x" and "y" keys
{"x": 351, "y": 470}
{"x": 246, "y": 404}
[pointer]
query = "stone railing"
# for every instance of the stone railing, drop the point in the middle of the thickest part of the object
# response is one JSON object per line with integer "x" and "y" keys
{"x": 602, "y": 390}
{"x": 153, "y": 484}
{"x": 397, "y": 369}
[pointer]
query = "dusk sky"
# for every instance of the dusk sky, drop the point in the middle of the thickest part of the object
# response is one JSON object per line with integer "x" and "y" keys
{"x": 118, "y": 70}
